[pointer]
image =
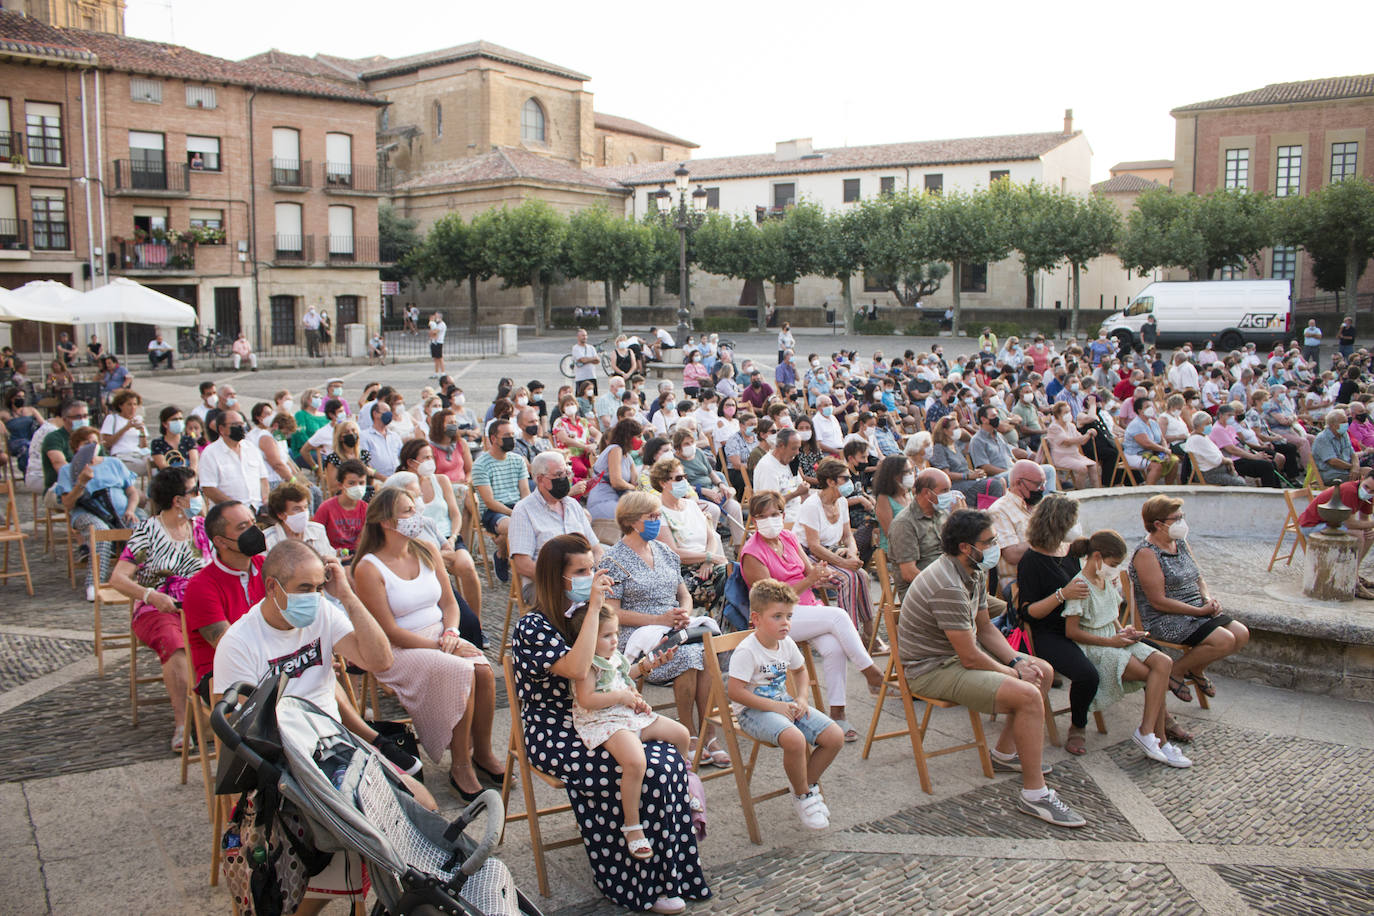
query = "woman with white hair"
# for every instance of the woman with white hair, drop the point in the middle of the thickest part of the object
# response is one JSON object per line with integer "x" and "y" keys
{"x": 918, "y": 450}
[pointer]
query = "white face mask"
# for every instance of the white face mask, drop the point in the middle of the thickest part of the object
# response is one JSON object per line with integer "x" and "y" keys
{"x": 1028, "y": 397}
{"x": 425, "y": 468}
{"x": 804, "y": 435}
{"x": 689, "y": 452}
{"x": 297, "y": 521}
{"x": 570, "y": 410}
{"x": 1110, "y": 573}
{"x": 1179, "y": 530}
{"x": 355, "y": 492}
{"x": 908, "y": 481}
{"x": 958, "y": 434}
{"x": 411, "y": 527}
{"x": 522, "y": 401}
{"x": 769, "y": 527}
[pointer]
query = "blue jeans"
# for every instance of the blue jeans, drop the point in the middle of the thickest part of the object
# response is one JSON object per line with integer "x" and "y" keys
{"x": 769, "y": 726}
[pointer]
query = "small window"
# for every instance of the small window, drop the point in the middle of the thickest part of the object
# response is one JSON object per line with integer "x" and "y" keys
{"x": 997, "y": 175}
{"x": 533, "y": 126}
{"x": 438, "y": 117}
{"x": 1237, "y": 170}
{"x": 873, "y": 283}
{"x": 202, "y": 154}
{"x": 935, "y": 183}
{"x": 887, "y": 186}
{"x": 1231, "y": 273}
{"x": 200, "y": 97}
{"x": 150, "y": 91}
{"x": 1285, "y": 263}
{"x": 50, "y": 227}
{"x": 44, "y": 129}
{"x": 784, "y": 195}
{"x": 1143, "y": 305}
{"x": 974, "y": 278}
{"x": 851, "y": 190}
{"x": 1344, "y": 158}
{"x": 713, "y": 198}
{"x": 1288, "y": 171}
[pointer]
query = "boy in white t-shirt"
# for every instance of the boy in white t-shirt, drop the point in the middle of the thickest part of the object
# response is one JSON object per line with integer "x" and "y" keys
{"x": 757, "y": 688}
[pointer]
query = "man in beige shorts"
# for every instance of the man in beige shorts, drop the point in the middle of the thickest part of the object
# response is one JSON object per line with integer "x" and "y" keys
{"x": 951, "y": 651}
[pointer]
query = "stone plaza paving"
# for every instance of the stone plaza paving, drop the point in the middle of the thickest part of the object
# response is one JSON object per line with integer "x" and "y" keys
{"x": 1276, "y": 816}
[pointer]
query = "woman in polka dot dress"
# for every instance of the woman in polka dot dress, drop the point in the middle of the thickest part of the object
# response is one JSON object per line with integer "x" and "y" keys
{"x": 547, "y": 656}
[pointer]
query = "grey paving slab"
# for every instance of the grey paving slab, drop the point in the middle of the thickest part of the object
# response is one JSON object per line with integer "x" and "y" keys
{"x": 1295, "y": 891}
{"x": 24, "y": 658}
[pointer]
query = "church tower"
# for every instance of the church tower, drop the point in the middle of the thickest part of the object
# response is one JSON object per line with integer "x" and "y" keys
{"x": 92, "y": 15}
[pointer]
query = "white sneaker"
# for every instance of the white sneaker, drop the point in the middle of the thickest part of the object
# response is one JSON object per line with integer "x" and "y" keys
{"x": 809, "y": 811}
{"x": 90, "y": 593}
{"x": 1174, "y": 757}
{"x": 668, "y": 905}
{"x": 816, "y": 791}
{"x": 1150, "y": 745}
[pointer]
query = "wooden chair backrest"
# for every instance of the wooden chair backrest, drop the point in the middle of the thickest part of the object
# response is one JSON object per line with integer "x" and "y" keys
{"x": 99, "y": 536}
{"x": 716, "y": 646}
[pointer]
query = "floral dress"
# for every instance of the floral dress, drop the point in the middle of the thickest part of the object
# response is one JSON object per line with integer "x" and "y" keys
{"x": 1097, "y": 615}
{"x": 642, "y": 590}
{"x": 163, "y": 563}
{"x": 588, "y": 775}
{"x": 594, "y": 726}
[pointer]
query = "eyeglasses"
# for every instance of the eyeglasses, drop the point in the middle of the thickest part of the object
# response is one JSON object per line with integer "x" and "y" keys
{"x": 678, "y": 477}
{"x": 194, "y": 491}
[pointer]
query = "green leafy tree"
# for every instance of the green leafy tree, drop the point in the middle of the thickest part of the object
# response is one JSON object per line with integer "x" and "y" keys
{"x": 525, "y": 246}
{"x": 611, "y": 250}
{"x": 1034, "y": 215}
{"x": 840, "y": 254}
{"x": 1090, "y": 230}
{"x": 1336, "y": 227}
{"x": 1196, "y": 233}
{"x": 741, "y": 249}
{"x": 964, "y": 229}
{"x": 455, "y": 252}
{"x": 897, "y": 246}
{"x": 396, "y": 238}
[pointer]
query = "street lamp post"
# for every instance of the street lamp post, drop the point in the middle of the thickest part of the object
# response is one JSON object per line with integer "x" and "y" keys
{"x": 682, "y": 222}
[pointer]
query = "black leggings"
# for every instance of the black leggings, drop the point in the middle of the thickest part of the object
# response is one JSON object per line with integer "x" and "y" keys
{"x": 1068, "y": 659}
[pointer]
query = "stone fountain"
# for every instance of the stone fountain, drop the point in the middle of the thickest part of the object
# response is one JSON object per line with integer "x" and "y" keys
{"x": 1332, "y": 568}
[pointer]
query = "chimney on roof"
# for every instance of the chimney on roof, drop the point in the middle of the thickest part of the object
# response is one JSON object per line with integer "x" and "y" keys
{"x": 792, "y": 150}
{"x": 1068, "y": 121}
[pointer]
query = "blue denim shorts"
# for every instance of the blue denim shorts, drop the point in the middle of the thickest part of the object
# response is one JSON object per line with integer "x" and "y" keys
{"x": 769, "y": 726}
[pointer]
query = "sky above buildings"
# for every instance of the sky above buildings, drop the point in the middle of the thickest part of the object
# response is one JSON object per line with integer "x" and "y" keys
{"x": 736, "y": 77}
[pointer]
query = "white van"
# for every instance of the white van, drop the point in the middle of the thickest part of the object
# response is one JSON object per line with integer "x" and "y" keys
{"x": 1230, "y": 313}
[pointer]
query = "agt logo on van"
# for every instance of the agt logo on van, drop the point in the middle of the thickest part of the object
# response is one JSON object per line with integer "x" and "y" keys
{"x": 1259, "y": 320}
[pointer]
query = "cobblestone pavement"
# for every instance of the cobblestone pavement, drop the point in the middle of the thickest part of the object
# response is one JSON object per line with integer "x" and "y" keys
{"x": 1274, "y": 817}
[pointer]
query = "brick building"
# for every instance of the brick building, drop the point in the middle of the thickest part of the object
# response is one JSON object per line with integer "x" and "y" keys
{"x": 247, "y": 192}
{"x": 92, "y": 15}
{"x": 1283, "y": 139}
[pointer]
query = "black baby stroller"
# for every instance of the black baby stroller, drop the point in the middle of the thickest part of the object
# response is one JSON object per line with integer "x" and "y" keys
{"x": 350, "y": 799}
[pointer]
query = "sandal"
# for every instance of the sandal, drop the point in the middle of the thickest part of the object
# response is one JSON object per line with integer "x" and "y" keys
{"x": 1076, "y": 744}
{"x": 1179, "y": 688}
{"x": 1203, "y": 684}
{"x": 850, "y": 735}
{"x": 715, "y": 755}
{"x": 1175, "y": 732}
{"x": 640, "y": 847}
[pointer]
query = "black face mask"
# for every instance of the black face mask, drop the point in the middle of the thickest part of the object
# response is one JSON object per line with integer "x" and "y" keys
{"x": 507, "y": 443}
{"x": 1034, "y": 497}
{"x": 451, "y": 430}
{"x": 236, "y": 433}
{"x": 560, "y": 487}
{"x": 252, "y": 542}
{"x": 348, "y": 440}
{"x": 532, "y": 429}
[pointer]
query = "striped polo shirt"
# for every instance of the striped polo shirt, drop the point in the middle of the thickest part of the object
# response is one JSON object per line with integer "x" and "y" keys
{"x": 943, "y": 597}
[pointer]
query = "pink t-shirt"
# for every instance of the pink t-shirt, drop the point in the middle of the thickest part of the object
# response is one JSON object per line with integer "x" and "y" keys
{"x": 1362, "y": 434}
{"x": 789, "y": 569}
{"x": 1223, "y": 436}
{"x": 451, "y": 467}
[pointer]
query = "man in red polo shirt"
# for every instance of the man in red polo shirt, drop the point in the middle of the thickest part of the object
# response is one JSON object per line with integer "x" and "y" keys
{"x": 1359, "y": 496}
{"x": 226, "y": 588}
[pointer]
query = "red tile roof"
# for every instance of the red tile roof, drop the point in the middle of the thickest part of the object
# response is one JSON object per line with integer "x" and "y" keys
{"x": 1142, "y": 164}
{"x": 134, "y": 55}
{"x": 1319, "y": 90}
{"x": 1008, "y": 148}
{"x": 506, "y": 164}
{"x": 620, "y": 125}
{"x": 378, "y": 66}
{"x": 298, "y": 63}
{"x": 1124, "y": 183}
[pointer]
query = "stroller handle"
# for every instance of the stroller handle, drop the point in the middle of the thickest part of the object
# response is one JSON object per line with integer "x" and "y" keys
{"x": 490, "y": 802}
{"x": 219, "y": 721}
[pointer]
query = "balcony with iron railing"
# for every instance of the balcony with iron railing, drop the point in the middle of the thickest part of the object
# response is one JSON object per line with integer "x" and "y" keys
{"x": 290, "y": 174}
{"x": 153, "y": 256}
{"x": 352, "y": 249}
{"x": 354, "y": 178}
{"x": 14, "y": 238}
{"x": 151, "y": 178}
{"x": 293, "y": 249}
{"x": 11, "y": 151}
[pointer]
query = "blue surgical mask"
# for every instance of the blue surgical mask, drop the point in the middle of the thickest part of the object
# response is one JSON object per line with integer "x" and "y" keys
{"x": 386, "y": 418}
{"x": 581, "y": 590}
{"x": 681, "y": 488}
{"x": 1344, "y": 428}
{"x": 945, "y": 501}
{"x": 1207, "y": 430}
{"x": 651, "y": 526}
{"x": 176, "y": 426}
{"x": 846, "y": 487}
{"x": 827, "y": 411}
{"x": 301, "y": 610}
{"x": 80, "y": 424}
{"x": 197, "y": 506}
{"x": 990, "y": 557}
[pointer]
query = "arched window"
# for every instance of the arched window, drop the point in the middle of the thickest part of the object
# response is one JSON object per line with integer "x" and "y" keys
{"x": 532, "y": 124}
{"x": 438, "y": 120}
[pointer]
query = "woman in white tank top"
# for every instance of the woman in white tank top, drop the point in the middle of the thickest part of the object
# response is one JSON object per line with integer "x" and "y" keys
{"x": 443, "y": 681}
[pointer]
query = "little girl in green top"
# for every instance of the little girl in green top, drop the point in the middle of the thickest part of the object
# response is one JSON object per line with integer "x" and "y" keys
{"x": 1123, "y": 662}
{"x": 607, "y": 709}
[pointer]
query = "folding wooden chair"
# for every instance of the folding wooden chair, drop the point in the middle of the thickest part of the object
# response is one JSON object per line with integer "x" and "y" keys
{"x": 198, "y": 720}
{"x": 1290, "y": 523}
{"x": 718, "y": 713}
{"x": 135, "y": 680}
{"x": 1050, "y": 711}
{"x": 894, "y": 679}
{"x": 476, "y": 535}
{"x": 107, "y": 595}
{"x": 515, "y": 599}
{"x": 13, "y": 533}
{"x": 516, "y": 756}
{"x": 1123, "y": 471}
{"x": 1134, "y": 611}
{"x": 887, "y": 600}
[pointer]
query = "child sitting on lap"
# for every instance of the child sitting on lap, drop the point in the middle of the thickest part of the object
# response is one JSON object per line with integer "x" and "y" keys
{"x": 758, "y": 695}
{"x": 608, "y": 710}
